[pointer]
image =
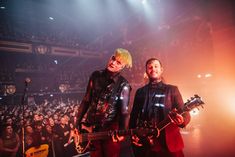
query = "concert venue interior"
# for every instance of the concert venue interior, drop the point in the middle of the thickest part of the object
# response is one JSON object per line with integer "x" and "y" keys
{"x": 49, "y": 48}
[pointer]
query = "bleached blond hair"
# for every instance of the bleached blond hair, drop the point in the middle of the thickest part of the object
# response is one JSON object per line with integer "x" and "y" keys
{"x": 125, "y": 56}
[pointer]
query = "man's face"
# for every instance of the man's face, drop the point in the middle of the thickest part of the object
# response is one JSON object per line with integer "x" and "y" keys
{"x": 29, "y": 129}
{"x": 9, "y": 130}
{"x": 154, "y": 70}
{"x": 51, "y": 122}
{"x": 115, "y": 64}
{"x": 36, "y": 117}
{"x": 63, "y": 120}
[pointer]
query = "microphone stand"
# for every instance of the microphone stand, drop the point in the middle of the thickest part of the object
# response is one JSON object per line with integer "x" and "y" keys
{"x": 23, "y": 101}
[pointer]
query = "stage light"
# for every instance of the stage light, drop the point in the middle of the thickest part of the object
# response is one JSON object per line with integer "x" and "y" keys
{"x": 56, "y": 61}
{"x": 10, "y": 89}
{"x": 208, "y": 75}
{"x": 51, "y": 18}
{"x": 204, "y": 75}
{"x": 41, "y": 49}
{"x": 199, "y": 76}
{"x": 144, "y": 1}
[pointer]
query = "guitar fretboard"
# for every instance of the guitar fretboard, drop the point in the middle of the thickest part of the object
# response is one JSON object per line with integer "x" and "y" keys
{"x": 107, "y": 134}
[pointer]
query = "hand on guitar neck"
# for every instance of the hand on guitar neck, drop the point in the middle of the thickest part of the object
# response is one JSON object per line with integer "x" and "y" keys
{"x": 176, "y": 118}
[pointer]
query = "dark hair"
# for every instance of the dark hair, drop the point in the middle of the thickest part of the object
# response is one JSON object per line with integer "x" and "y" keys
{"x": 152, "y": 59}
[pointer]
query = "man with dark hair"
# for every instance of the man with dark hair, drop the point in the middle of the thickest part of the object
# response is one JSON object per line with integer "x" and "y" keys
{"x": 152, "y": 104}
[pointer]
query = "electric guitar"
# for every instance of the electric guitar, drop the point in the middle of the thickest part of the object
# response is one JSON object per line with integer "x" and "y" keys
{"x": 83, "y": 140}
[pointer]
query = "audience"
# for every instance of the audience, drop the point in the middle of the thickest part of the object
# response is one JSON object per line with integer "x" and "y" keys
{"x": 42, "y": 123}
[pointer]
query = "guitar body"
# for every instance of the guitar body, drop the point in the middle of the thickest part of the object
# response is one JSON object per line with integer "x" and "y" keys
{"x": 82, "y": 146}
{"x": 145, "y": 135}
{"x": 41, "y": 151}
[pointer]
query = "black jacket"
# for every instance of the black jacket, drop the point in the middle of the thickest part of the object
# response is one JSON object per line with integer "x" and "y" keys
{"x": 172, "y": 99}
{"x": 106, "y": 100}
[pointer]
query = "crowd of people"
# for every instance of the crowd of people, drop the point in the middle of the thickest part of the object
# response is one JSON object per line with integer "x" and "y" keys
{"x": 49, "y": 122}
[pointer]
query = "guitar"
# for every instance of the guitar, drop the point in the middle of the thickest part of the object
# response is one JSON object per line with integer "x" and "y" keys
{"x": 40, "y": 151}
{"x": 83, "y": 140}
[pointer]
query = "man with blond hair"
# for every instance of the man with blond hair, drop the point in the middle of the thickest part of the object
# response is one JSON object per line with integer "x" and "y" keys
{"x": 106, "y": 102}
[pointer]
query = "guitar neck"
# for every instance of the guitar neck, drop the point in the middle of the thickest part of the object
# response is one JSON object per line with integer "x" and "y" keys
{"x": 107, "y": 134}
{"x": 94, "y": 136}
{"x": 164, "y": 123}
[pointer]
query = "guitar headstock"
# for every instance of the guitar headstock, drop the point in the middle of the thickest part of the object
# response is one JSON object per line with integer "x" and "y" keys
{"x": 194, "y": 102}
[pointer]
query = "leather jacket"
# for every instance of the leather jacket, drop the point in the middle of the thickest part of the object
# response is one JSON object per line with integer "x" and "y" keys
{"x": 106, "y": 100}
